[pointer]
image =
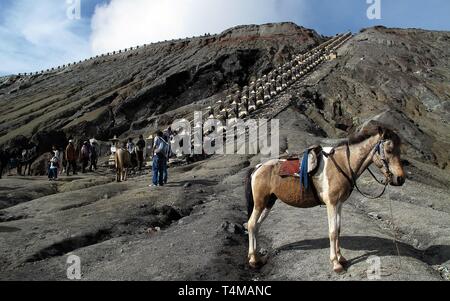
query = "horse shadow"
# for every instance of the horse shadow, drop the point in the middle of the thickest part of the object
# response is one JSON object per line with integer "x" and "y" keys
{"x": 375, "y": 246}
{"x": 8, "y": 229}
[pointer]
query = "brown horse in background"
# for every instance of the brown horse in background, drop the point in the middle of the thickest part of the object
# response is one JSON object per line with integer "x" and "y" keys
{"x": 332, "y": 183}
{"x": 123, "y": 162}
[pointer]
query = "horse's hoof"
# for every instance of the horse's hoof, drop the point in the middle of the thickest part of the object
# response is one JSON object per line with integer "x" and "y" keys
{"x": 253, "y": 264}
{"x": 338, "y": 268}
{"x": 257, "y": 262}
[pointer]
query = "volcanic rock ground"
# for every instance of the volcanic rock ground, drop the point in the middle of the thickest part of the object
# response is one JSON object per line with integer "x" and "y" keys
{"x": 107, "y": 224}
{"x": 113, "y": 227}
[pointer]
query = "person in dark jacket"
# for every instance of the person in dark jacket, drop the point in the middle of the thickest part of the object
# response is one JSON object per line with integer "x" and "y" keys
{"x": 140, "y": 147}
{"x": 160, "y": 148}
{"x": 71, "y": 158}
{"x": 131, "y": 147}
{"x": 4, "y": 158}
{"x": 94, "y": 155}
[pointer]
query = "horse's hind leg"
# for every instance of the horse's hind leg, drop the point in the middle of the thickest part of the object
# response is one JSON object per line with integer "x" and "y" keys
{"x": 261, "y": 209}
{"x": 253, "y": 226}
{"x": 118, "y": 175}
{"x": 264, "y": 215}
{"x": 267, "y": 210}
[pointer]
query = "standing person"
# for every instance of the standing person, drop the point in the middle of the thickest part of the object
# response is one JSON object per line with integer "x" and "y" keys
{"x": 13, "y": 162}
{"x": 161, "y": 148}
{"x": 71, "y": 158}
{"x": 85, "y": 155}
{"x": 132, "y": 151}
{"x": 53, "y": 167}
{"x": 140, "y": 146}
{"x": 167, "y": 136}
{"x": 94, "y": 154}
{"x": 4, "y": 158}
{"x": 59, "y": 156}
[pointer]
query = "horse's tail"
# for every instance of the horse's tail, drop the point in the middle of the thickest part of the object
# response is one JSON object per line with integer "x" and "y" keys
{"x": 249, "y": 191}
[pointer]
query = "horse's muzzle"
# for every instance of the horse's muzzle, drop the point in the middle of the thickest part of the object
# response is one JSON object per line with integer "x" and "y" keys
{"x": 398, "y": 181}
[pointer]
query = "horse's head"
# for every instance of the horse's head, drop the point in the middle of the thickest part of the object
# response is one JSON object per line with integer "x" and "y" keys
{"x": 387, "y": 156}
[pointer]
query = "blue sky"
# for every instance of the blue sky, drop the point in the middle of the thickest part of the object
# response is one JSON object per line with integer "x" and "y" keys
{"x": 38, "y": 34}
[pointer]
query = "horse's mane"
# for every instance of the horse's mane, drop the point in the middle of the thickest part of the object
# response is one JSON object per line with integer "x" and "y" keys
{"x": 369, "y": 130}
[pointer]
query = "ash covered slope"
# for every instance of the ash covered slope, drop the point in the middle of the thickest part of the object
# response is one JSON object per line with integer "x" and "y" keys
{"x": 105, "y": 95}
{"x": 400, "y": 76}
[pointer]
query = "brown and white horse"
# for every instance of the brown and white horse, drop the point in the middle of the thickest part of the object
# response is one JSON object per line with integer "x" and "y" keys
{"x": 123, "y": 162}
{"x": 332, "y": 183}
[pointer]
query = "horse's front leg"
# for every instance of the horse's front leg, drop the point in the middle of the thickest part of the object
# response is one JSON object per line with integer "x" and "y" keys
{"x": 341, "y": 258}
{"x": 333, "y": 234}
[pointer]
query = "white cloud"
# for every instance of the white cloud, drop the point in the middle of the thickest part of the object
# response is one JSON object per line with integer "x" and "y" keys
{"x": 38, "y": 35}
{"x": 124, "y": 23}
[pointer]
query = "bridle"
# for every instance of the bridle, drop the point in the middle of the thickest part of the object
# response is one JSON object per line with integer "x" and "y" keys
{"x": 352, "y": 179}
{"x": 379, "y": 148}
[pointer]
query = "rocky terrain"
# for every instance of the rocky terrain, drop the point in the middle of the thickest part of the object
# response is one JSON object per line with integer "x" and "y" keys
{"x": 192, "y": 228}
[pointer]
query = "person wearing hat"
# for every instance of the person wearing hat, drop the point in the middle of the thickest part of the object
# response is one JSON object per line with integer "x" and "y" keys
{"x": 71, "y": 158}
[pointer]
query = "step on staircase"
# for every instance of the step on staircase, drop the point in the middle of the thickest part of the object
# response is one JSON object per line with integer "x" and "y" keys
{"x": 265, "y": 97}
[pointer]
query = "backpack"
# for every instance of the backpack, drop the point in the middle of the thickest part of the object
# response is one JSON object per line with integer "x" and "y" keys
{"x": 163, "y": 148}
{"x": 168, "y": 138}
{"x": 85, "y": 151}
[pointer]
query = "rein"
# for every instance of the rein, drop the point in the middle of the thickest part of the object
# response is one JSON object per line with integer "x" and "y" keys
{"x": 352, "y": 178}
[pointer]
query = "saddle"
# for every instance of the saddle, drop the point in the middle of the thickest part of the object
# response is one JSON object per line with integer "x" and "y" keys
{"x": 291, "y": 164}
